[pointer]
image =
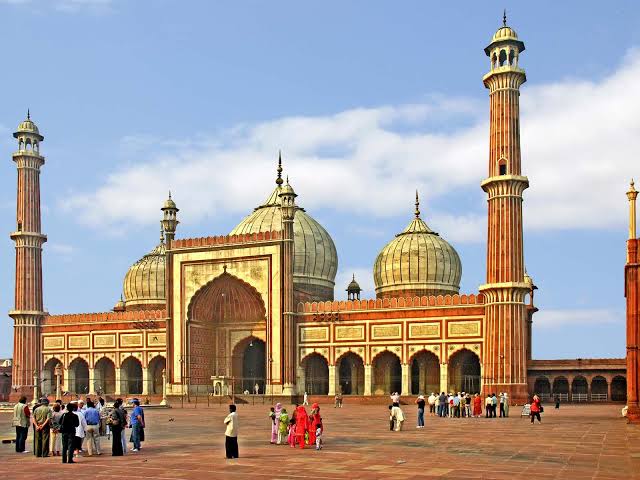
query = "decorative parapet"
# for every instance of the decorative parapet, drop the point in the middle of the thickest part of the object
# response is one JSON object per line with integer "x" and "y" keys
{"x": 226, "y": 240}
{"x": 399, "y": 302}
{"x": 133, "y": 315}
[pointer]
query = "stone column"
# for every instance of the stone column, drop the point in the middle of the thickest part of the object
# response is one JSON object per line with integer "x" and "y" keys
{"x": 145, "y": 381}
{"x": 36, "y": 389}
{"x": 367, "y": 380}
{"x": 118, "y": 389}
{"x": 92, "y": 380}
{"x": 164, "y": 401}
{"x": 332, "y": 379}
{"x": 444, "y": 377}
{"x": 405, "y": 379}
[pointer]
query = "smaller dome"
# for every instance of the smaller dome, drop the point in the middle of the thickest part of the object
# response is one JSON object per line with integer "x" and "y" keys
{"x": 28, "y": 126}
{"x": 353, "y": 285}
{"x": 504, "y": 33}
{"x": 287, "y": 189}
{"x": 169, "y": 204}
{"x": 144, "y": 283}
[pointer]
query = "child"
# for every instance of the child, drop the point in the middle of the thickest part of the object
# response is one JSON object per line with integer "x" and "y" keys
{"x": 292, "y": 432}
{"x": 318, "y": 435}
{"x": 284, "y": 424}
{"x": 272, "y": 416}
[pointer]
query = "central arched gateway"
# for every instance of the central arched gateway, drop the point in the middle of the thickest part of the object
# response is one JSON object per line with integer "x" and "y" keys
{"x": 464, "y": 372}
{"x": 220, "y": 312}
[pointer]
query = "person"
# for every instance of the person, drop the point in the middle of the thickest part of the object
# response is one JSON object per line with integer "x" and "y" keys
{"x": 274, "y": 415}
{"x": 102, "y": 425}
{"x": 431, "y": 400}
{"x": 338, "y": 400}
{"x": 21, "y": 418}
{"x": 506, "y": 404}
{"x": 392, "y": 422}
{"x": 438, "y": 406}
{"x": 557, "y": 402}
{"x": 137, "y": 425}
{"x": 494, "y": 404}
{"x": 80, "y": 429}
{"x": 487, "y": 405}
{"x": 395, "y": 398}
{"x": 456, "y": 405}
{"x": 123, "y": 433}
{"x": 56, "y": 435}
{"x": 314, "y": 420}
{"x": 231, "y": 433}
{"x": 502, "y": 415}
{"x": 463, "y": 403}
{"x": 92, "y": 417}
{"x": 319, "y": 436}
{"x": 69, "y": 422}
{"x": 116, "y": 422}
{"x": 420, "y": 401}
{"x": 42, "y": 424}
{"x": 398, "y": 416}
{"x": 467, "y": 405}
{"x": 302, "y": 424}
{"x": 283, "y": 424}
{"x": 536, "y": 408}
{"x": 305, "y": 399}
{"x": 450, "y": 403}
{"x": 477, "y": 405}
{"x": 291, "y": 438}
{"x": 256, "y": 389}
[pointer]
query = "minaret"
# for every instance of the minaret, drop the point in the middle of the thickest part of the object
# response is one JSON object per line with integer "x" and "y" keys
{"x": 288, "y": 208}
{"x": 632, "y": 294}
{"x": 28, "y": 311}
{"x": 505, "y": 361}
{"x": 170, "y": 220}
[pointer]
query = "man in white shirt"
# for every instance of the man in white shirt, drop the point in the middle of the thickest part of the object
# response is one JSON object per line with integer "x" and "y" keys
{"x": 432, "y": 403}
{"x": 231, "y": 433}
{"x": 80, "y": 429}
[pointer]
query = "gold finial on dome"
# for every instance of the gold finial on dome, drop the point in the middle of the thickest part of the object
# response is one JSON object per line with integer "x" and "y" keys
{"x": 504, "y": 18}
{"x": 417, "y": 212}
{"x": 279, "y": 170}
{"x": 28, "y": 114}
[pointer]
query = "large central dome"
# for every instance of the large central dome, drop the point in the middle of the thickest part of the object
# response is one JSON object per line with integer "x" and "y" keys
{"x": 315, "y": 257}
{"x": 417, "y": 262}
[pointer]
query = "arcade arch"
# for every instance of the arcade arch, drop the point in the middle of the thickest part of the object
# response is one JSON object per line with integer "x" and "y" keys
{"x": 351, "y": 374}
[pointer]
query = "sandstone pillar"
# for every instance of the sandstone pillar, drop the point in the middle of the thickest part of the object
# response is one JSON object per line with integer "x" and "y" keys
{"x": 332, "y": 379}
{"x": 367, "y": 380}
{"x": 406, "y": 377}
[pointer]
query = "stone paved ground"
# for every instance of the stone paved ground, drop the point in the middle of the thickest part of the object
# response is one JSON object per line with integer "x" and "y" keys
{"x": 576, "y": 442}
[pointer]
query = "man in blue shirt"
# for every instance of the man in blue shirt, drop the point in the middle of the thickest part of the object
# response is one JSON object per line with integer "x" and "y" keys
{"x": 137, "y": 425}
{"x": 92, "y": 434}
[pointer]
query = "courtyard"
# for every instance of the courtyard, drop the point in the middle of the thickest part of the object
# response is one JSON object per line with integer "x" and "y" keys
{"x": 575, "y": 442}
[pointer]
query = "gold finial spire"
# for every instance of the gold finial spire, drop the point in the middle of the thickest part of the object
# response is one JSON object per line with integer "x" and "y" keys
{"x": 417, "y": 212}
{"x": 632, "y": 195}
{"x": 279, "y": 170}
{"x": 504, "y": 18}
{"x": 28, "y": 114}
{"x": 169, "y": 194}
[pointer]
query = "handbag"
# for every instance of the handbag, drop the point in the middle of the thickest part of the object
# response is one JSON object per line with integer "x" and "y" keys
{"x": 541, "y": 409}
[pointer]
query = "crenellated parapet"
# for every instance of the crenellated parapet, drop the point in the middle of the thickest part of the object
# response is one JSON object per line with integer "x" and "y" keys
{"x": 225, "y": 240}
{"x": 392, "y": 303}
{"x": 100, "y": 317}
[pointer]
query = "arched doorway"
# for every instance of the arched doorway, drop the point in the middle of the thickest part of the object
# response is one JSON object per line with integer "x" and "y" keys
{"x": 599, "y": 389}
{"x": 105, "y": 376}
{"x": 249, "y": 365}
{"x": 222, "y": 305}
{"x": 351, "y": 374}
{"x": 156, "y": 367}
{"x": 49, "y": 376}
{"x": 464, "y": 372}
{"x": 316, "y": 374}
{"x": 542, "y": 387}
{"x": 131, "y": 376}
{"x": 619, "y": 389}
{"x": 78, "y": 377}
{"x": 387, "y": 374}
{"x": 425, "y": 373}
{"x": 560, "y": 386}
{"x": 579, "y": 389}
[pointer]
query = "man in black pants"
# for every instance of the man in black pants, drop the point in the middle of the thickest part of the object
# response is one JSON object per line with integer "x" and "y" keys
{"x": 69, "y": 423}
{"x": 231, "y": 434}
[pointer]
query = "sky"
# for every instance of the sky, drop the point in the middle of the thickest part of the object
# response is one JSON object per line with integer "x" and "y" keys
{"x": 368, "y": 101}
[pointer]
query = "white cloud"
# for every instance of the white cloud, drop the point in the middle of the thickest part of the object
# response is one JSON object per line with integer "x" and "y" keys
{"x": 579, "y": 140}
{"x": 551, "y": 319}
{"x": 61, "y": 249}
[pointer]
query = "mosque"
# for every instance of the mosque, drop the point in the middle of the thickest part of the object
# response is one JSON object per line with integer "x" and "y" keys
{"x": 256, "y": 309}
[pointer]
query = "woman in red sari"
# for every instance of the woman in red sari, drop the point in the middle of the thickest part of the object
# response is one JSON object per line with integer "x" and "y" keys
{"x": 477, "y": 406}
{"x": 302, "y": 424}
{"x": 314, "y": 420}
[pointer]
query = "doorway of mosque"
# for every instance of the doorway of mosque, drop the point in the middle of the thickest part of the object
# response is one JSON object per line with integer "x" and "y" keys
{"x": 351, "y": 373}
{"x": 253, "y": 366}
{"x": 464, "y": 372}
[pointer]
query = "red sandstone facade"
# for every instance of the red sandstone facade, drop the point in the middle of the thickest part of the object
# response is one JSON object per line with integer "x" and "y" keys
{"x": 203, "y": 307}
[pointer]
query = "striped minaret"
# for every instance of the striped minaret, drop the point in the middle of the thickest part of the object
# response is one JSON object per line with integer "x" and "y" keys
{"x": 28, "y": 311}
{"x": 505, "y": 356}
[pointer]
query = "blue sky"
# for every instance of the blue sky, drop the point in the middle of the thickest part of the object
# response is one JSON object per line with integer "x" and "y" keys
{"x": 367, "y": 100}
